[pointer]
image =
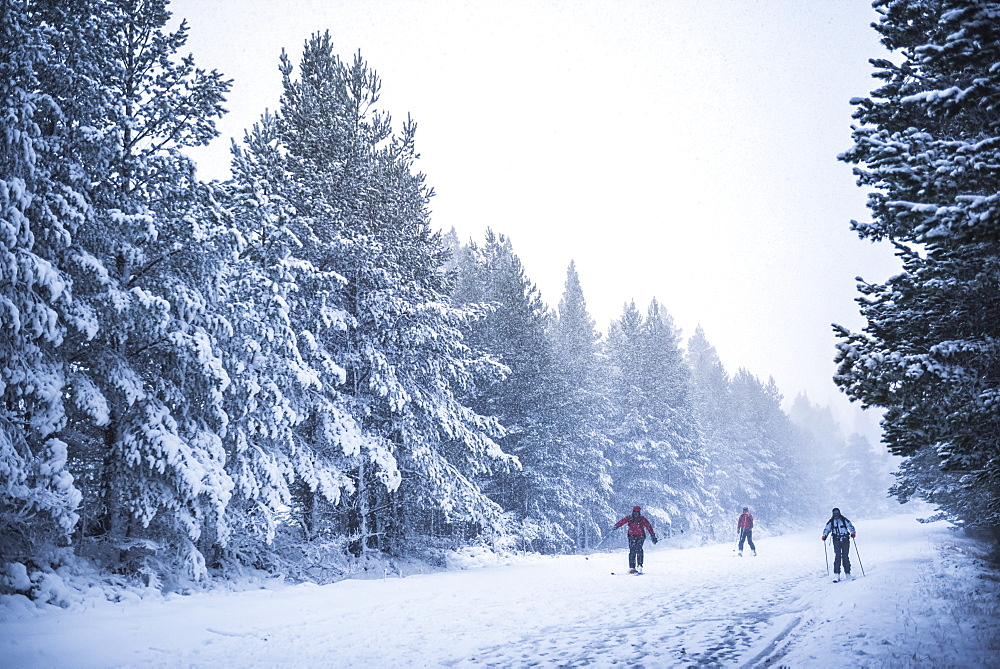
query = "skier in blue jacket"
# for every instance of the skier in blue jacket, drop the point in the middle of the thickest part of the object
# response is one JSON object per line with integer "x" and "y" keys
{"x": 842, "y": 531}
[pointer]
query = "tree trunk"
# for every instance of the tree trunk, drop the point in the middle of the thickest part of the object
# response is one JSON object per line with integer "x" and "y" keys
{"x": 362, "y": 507}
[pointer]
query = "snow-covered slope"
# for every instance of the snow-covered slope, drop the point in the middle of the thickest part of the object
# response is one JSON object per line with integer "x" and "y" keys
{"x": 922, "y": 603}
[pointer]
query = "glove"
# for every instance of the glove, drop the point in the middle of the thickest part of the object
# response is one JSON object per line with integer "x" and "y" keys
{"x": 655, "y": 539}
{"x": 824, "y": 537}
{"x": 852, "y": 535}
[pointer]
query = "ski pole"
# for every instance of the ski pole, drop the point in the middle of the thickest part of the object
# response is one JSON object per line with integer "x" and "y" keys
{"x": 859, "y": 556}
{"x": 827, "y": 556}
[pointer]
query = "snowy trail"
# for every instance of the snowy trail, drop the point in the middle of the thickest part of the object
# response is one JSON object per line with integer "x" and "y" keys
{"x": 700, "y": 606}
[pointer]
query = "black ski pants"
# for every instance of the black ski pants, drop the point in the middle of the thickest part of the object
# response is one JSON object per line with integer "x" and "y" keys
{"x": 842, "y": 553}
{"x": 747, "y": 535}
{"x": 635, "y": 551}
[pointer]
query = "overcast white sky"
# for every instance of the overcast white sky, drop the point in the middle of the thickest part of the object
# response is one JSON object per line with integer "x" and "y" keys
{"x": 682, "y": 149}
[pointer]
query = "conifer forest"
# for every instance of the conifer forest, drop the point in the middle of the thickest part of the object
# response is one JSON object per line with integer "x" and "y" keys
{"x": 293, "y": 368}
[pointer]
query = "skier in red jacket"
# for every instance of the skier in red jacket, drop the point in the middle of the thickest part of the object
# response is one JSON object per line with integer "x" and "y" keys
{"x": 744, "y": 526}
{"x": 637, "y": 526}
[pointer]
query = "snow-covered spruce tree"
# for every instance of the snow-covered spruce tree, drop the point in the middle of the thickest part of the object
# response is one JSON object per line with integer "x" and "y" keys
{"x": 767, "y": 458}
{"x": 580, "y": 413}
{"x": 291, "y": 441}
{"x": 525, "y": 401}
{"x": 711, "y": 397}
{"x": 145, "y": 373}
{"x": 656, "y": 459}
{"x": 361, "y": 213}
{"x": 928, "y": 143}
{"x": 512, "y": 331}
{"x": 41, "y": 206}
{"x": 863, "y": 477}
{"x": 709, "y": 384}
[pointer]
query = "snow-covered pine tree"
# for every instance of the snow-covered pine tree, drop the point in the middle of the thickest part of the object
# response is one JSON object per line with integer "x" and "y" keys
{"x": 514, "y": 332}
{"x": 767, "y": 459}
{"x": 361, "y": 212}
{"x": 580, "y": 413}
{"x": 291, "y": 441}
{"x": 146, "y": 375}
{"x": 863, "y": 477}
{"x": 709, "y": 384}
{"x": 712, "y": 399}
{"x": 928, "y": 142}
{"x": 40, "y": 209}
{"x": 657, "y": 460}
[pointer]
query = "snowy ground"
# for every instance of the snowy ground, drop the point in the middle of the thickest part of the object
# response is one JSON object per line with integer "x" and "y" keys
{"x": 924, "y": 602}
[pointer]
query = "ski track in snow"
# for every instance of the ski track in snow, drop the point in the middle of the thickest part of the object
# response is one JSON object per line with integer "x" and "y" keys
{"x": 695, "y": 607}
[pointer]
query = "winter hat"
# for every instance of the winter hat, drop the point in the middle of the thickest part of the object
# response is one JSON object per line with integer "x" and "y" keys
{"x": 636, "y": 509}
{"x": 746, "y": 508}
{"x": 836, "y": 511}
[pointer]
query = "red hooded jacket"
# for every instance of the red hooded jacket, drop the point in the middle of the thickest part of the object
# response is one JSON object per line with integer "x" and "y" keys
{"x": 637, "y": 526}
{"x": 746, "y": 521}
